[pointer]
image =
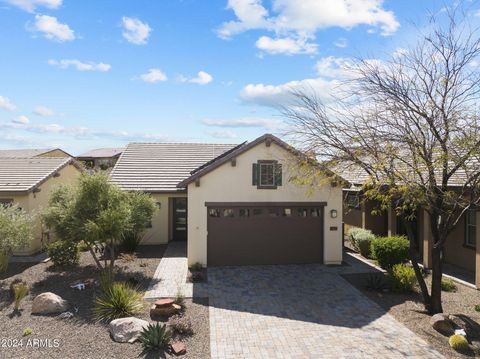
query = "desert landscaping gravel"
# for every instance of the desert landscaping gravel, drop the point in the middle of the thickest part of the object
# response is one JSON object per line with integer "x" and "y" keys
{"x": 81, "y": 336}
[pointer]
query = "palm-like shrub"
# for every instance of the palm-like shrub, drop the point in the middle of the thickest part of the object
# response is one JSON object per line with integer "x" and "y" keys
{"x": 155, "y": 337}
{"x": 118, "y": 301}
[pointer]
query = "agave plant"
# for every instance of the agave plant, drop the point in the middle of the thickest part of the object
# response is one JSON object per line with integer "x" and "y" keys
{"x": 118, "y": 301}
{"x": 155, "y": 337}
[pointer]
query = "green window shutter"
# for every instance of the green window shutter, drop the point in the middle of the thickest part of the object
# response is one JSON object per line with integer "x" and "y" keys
{"x": 254, "y": 174}
{"x": 278, "y": 174}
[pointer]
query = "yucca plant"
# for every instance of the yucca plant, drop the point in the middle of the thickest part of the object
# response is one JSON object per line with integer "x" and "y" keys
{"x": 20, "y": 291}
{"x": 118, "y": 301}
{"x": 155, "y": 337}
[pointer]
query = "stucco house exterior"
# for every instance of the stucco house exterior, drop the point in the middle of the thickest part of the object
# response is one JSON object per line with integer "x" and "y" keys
{"x": 28, "y": 182}
{"x": 235, "y": 204}
{"x": 460, "y": 247}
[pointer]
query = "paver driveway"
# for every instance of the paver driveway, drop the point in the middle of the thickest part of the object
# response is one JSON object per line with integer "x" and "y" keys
{"x": 306, "y": 311}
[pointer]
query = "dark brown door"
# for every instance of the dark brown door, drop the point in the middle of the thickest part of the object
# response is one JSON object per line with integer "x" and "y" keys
{"x": 264, "y": 235}
{"x": 179, "y": 219}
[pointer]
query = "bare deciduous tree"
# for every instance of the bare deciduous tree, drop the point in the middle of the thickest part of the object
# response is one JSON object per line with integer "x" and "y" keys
{"x": 411, "y": 125}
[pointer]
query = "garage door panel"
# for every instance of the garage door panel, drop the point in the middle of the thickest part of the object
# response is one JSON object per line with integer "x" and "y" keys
{"x": 263, "y": 239}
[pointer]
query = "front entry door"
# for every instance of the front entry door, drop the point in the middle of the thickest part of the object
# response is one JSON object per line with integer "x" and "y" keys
{"x": 179, "y": 219}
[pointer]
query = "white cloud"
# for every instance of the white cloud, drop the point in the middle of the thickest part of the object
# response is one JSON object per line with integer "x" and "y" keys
{"x": 279, "y": 95}
{"x": 43, "y": 111}
{"x": 341, "y": 42}
{"x": 202, "y": 78}
{"x": 80, "y": 66}
{"x": 222, "y": 134}
{"x": 81, "y": 132}
{"x": 267, "y": 123}
{"x": 6, "y": 104}
{"x": 31, "y": 5}
{"x": 52, "y": 29}
{"x": 154, "y": 75}
{"x": 24, "y": 120}
{"x": 333, "y": 67}
{"x": 135, "y": 31}
{"x": 287, "y": 45}
{"x": 291, "y": 21}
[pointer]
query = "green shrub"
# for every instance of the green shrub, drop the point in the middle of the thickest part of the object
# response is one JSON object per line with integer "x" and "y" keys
{"x": 364, "y": 242}
{"x": 458, "y": 342}
{"x": 129, "y": 242}
{"x": 448, "y": 285}
{"x": 477, "y": 307}
{"x": 375, "y": 282}
{"x": 63, "y": 253}
{"x": 354, "y": 233}
{"x": 4, "y": 259}
{"x": 155, "y": 337}
{"x": 389, "y": 251}
{"x": 118, "y": 301}
{"x": 20, "y": 291}
{"x": 402, "y": 278}
{"x": 196, "y": 267}
{"x": 83, "y": 246}
{"x": 27, "y": 331}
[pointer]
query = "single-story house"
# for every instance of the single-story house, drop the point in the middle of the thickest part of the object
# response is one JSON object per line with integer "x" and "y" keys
{"x": 235, "y": 204}
{"x": 28, "y": 183}
{"x": 101, "y": 157}
{"x": 461, "y": 245}
{"x": 34, "y": 152}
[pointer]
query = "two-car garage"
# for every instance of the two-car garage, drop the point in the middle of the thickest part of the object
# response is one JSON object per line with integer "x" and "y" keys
{"x": 252, "y": 233}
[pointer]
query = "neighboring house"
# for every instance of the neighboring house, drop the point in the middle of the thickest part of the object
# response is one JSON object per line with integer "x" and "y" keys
{"x": 235, "y": 205}
{"x": 28, "y": 182}
{"x": 460, "y": 247}
{"x": 101, "y": 157}
{"x": 32, "y": 152}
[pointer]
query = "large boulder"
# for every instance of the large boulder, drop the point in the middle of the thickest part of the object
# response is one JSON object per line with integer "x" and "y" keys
{"x": 442, "y": 324}
{"x": 49, "y": 303}
{"x": 127, "y": 329}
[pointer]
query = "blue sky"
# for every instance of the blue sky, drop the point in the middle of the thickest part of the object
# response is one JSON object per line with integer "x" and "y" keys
{"x": 85, "y": 74}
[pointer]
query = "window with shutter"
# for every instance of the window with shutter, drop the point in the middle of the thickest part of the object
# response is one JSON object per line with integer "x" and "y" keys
{"x": 267, "y": 174}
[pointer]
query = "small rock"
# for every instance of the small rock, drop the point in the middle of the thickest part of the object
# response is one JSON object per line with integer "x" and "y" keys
{"x": 65, "y": 315}
{"x": 127, "y": 329}
{"x": 442, "y": 324}
{"x": 178, "y": 348}
{"x": 48, "y": 303}
{"x": 164, "y": 302}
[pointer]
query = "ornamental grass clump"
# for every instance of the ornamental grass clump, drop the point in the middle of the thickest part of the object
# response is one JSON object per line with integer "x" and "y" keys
{"x": 20, "y": 291}
{"x": 118, "y": 301}
{"x": 448, "y": 285}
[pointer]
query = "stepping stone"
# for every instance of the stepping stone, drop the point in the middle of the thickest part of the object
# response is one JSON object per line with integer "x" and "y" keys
{"x": 164, "y": 303}
{"x": 178, "y": 348}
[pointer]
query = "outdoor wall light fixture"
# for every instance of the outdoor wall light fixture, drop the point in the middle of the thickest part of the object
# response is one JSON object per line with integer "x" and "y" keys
{"x": 333, "y": 213}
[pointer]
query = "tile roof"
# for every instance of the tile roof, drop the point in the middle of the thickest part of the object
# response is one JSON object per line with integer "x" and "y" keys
{"x": 102, "y": 153}
{"x": 24, "y": 153}
{"x": 159, "y": 167}
{"x": 24, "y": 174}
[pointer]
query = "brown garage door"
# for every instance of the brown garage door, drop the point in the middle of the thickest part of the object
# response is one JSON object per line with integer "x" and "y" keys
{"x": 259, "y": 233}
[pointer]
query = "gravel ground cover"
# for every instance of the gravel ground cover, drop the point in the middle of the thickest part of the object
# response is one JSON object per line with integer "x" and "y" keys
{"x": 81, "y": 336}
{"x": 408, "y": 309}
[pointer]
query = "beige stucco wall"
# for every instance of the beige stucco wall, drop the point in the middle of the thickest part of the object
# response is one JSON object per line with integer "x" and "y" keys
{"x": 36, "y": 202}
{"x": 234, "y": 184}
{"x": 455, "y": 251}
{"x": 160, "y": 232}
{"x": 54, "y": 153}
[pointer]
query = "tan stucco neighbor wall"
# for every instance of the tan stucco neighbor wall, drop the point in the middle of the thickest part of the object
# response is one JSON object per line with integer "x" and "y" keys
{"x": 234, "y": 184}
{"x": 36, "y": 202}
{"x": 160, "y": 232}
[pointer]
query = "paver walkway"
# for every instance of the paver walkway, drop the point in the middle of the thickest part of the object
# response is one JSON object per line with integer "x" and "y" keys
{"x": 295, "y": 311}
{"x": 306, "y": 311}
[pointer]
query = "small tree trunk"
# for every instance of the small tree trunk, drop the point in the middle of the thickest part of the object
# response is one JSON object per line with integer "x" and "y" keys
{"x": 112, "y": 254}
{"x": 436, "y": 291}
{"x": 418, "y": 273}
{"x": 97, "y": 262}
